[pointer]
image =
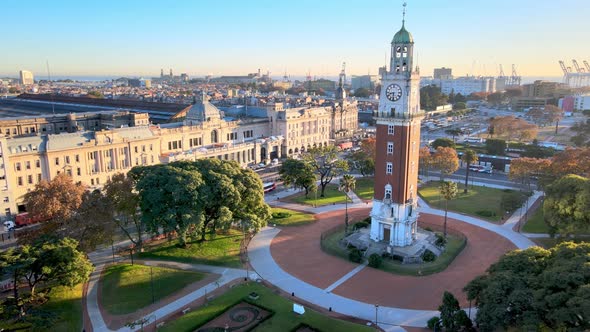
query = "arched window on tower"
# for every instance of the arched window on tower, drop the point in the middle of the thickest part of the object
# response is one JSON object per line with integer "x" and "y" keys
{"x": 397, "y": 69}
{"x": 405, "y": 53}
{"x": 398, "y": 51}
{"x": 214, "y": 136}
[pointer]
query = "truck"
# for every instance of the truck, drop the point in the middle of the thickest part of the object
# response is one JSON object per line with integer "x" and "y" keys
{"x": 345, "y": 145}
{"x": 23, "y": 219}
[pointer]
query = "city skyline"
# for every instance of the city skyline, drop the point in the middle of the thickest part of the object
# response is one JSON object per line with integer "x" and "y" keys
{"x": 138, "y": 39}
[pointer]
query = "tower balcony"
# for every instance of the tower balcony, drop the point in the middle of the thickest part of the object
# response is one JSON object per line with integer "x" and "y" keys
{"x": 392, "y": 115}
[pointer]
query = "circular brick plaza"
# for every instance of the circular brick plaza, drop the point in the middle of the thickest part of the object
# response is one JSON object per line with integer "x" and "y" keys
{"x": 297, "y": 251}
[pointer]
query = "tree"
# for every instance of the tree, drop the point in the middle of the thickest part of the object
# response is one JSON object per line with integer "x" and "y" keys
{"x": 425, "y": 158}
{"x": 554, "y": 114}
{"x": 14, "y": 265}
{"x": 496, "y": 98}
{"x": 56, "y": 200}
{"x": 443, "y": 142}
{"x": 170, "y": 198}
{"x": 459, "y": 106}
{"x": 525, "y": 169}
{"x": 57, "y": 261}
{"x": 432, "y": 97}
{"x": 92, "y": 224}
{"x": 363, "y": 160}
{"x": 452, "y": 317}
{"x": 95, "y": 94}
{"x": 347, "y": 183}
{"x": 510, "y": 127}
{"x": 299, "y": 174}
{"x": 324, "y": 160}
{"x": 362, "y": 93}
{"x": 582, "y": 130}
{"x": 567, "y": 205}
{"x": 535, "y": 289}
{"x": 454, "y": 133}
{"x": 469, "y": 157}
{"x": 445, "y": 160}
{"x": 496, "y": 147}
{"x": 571, "y": 161}
{"x": 448, "y": 190}
{"x": 124, "y": 200}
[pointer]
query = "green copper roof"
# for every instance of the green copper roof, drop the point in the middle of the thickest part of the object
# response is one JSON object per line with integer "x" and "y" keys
{"x": 402, "y": 36}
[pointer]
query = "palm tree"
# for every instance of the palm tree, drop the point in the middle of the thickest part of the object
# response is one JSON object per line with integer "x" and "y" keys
{"x": 469, "y": 157}
{"x": 448, "y": 190}
{"x": 347, "y": 183}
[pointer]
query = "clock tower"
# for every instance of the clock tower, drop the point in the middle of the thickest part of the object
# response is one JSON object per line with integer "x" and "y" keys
{"x": 394, "y": 214}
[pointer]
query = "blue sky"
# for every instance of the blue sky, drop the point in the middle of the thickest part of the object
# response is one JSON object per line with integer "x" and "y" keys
{"x": 201, "y": 37}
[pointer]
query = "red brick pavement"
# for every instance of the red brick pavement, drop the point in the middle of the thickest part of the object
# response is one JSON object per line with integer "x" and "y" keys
{"x": 297, "y": 250}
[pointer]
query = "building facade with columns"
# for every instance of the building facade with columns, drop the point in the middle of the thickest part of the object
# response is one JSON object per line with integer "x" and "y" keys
{"x": 395, "y": 212}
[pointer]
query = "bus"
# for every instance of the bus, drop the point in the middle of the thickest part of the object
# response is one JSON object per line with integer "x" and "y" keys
{"x": 269, "y": 186}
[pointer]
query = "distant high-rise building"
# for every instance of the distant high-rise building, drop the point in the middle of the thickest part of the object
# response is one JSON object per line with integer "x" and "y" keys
{"x": 162, "y": 73}
{"x": 171, "y": 73}
{"x": 443, "y": 73}
{"x": 364, "y": 81}
{"x": 184, "y": 77}
{"x": 26, "y": 77}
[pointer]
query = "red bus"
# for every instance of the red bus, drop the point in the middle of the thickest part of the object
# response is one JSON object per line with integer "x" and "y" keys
{"x": 23, "y": 219}
{"x": 269, "y": 186}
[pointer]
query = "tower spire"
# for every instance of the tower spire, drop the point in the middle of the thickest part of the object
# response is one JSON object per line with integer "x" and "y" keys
{"x": 404, "y": 14}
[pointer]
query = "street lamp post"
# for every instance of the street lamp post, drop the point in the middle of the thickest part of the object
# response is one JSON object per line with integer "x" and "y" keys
{"x": 376, "y": 311}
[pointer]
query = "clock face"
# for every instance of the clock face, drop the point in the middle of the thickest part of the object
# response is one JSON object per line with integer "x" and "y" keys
{"x": 393, "y": 92}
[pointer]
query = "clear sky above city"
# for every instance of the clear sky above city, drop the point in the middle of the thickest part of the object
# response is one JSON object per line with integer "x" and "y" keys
{"x": 137, "y": 38}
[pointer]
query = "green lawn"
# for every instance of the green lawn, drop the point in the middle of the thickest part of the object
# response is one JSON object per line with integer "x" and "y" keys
{"x": 294, "y": 218}
{"x": 61, "y": 312}
{"x": 536, "y": 223}
{"x": 126, "y": 288}
{"x": 223, "y": 250}
{"x": 364, "y": 188}
{"x": 331, "y": 196}
{"x": 455, "y": 245}
{"x": 66, "y": 303}
{"x": 477, "y": 202}
{"x": 284, "y": 319}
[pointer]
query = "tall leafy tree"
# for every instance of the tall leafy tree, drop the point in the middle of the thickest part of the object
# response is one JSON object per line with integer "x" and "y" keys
{"x": 445, "y": 160}
{"x": 57, "y": 261}
{"x": 567, "y": 205}
{"x": 92, "y": 224}
{"x": 347, "y": 183}
{"x": 56, "y": 200}
{"x": 554, "y": 115}
{"x": 454, "y": 133}
{"x": 124, "y": 199}
{"x": 169, "y": 198}
{"x": 448, "y": 190}
{"x": 452, "y": 317}
{"x": 363, "y": 160}
{"x": 299, "y": 174}
{"x": 469, "y": 157}
{"x": 524, "y": 169}
{"x": 326, "y": 163}
{"x": 535, "y": 289}
{"x": 443, "y": 142}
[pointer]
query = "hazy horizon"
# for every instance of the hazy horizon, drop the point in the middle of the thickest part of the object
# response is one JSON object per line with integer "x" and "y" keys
{"x": 135, "y": 38}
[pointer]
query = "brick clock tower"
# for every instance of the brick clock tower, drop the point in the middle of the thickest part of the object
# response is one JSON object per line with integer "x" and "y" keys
{"x": 394, "y": 214}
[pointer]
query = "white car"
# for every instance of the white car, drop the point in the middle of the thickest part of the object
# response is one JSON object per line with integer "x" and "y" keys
{"x": 8, "y": 225}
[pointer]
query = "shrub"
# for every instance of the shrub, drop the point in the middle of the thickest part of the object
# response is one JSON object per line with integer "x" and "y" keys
{"x": 440, "y": 240}
{"x": 428, "y": 256}
{"x": 359, "y": 225}
{"x": 367, "y": 220}
{"x": 375, "y": 260}
{"x": 485, "y": 213}
{"x": 355, "y": 255}
{"x": 433, "y": 323}
{"x": 397, "y": 258}
{"x": 280, "y": 215}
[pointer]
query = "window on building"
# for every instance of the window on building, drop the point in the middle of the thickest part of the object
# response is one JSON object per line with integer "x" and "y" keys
{"x": 28, "y": 165}
{"x": 6, "y": 199}
{"x": 38, "y": 163}
{"x": 389, "y": 147}
{"x": 169, "y": 145}
{"x": 57, "y": 161}
{"x": 38, "y": 177}
{"x": 390, "y": 129}
{"x": 67, "y": 159}
{"x": 7, "y": 211}
{"x": 151, "y": 147}
{"x": 389, "y": 168}
{"x": 92, "y": 182}
{"x": 387, "y": 193}
{"x": 78, "y": 171}
{"x": 19, "y": 180}
{"x": 143, "y": 148}
{"x": 30, "y": 179}
{"x": 17, "y": 166}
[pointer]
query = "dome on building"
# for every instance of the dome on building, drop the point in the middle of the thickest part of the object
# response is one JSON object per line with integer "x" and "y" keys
{"x": 202, "y": 111}
{"x": 403, "y": 36}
